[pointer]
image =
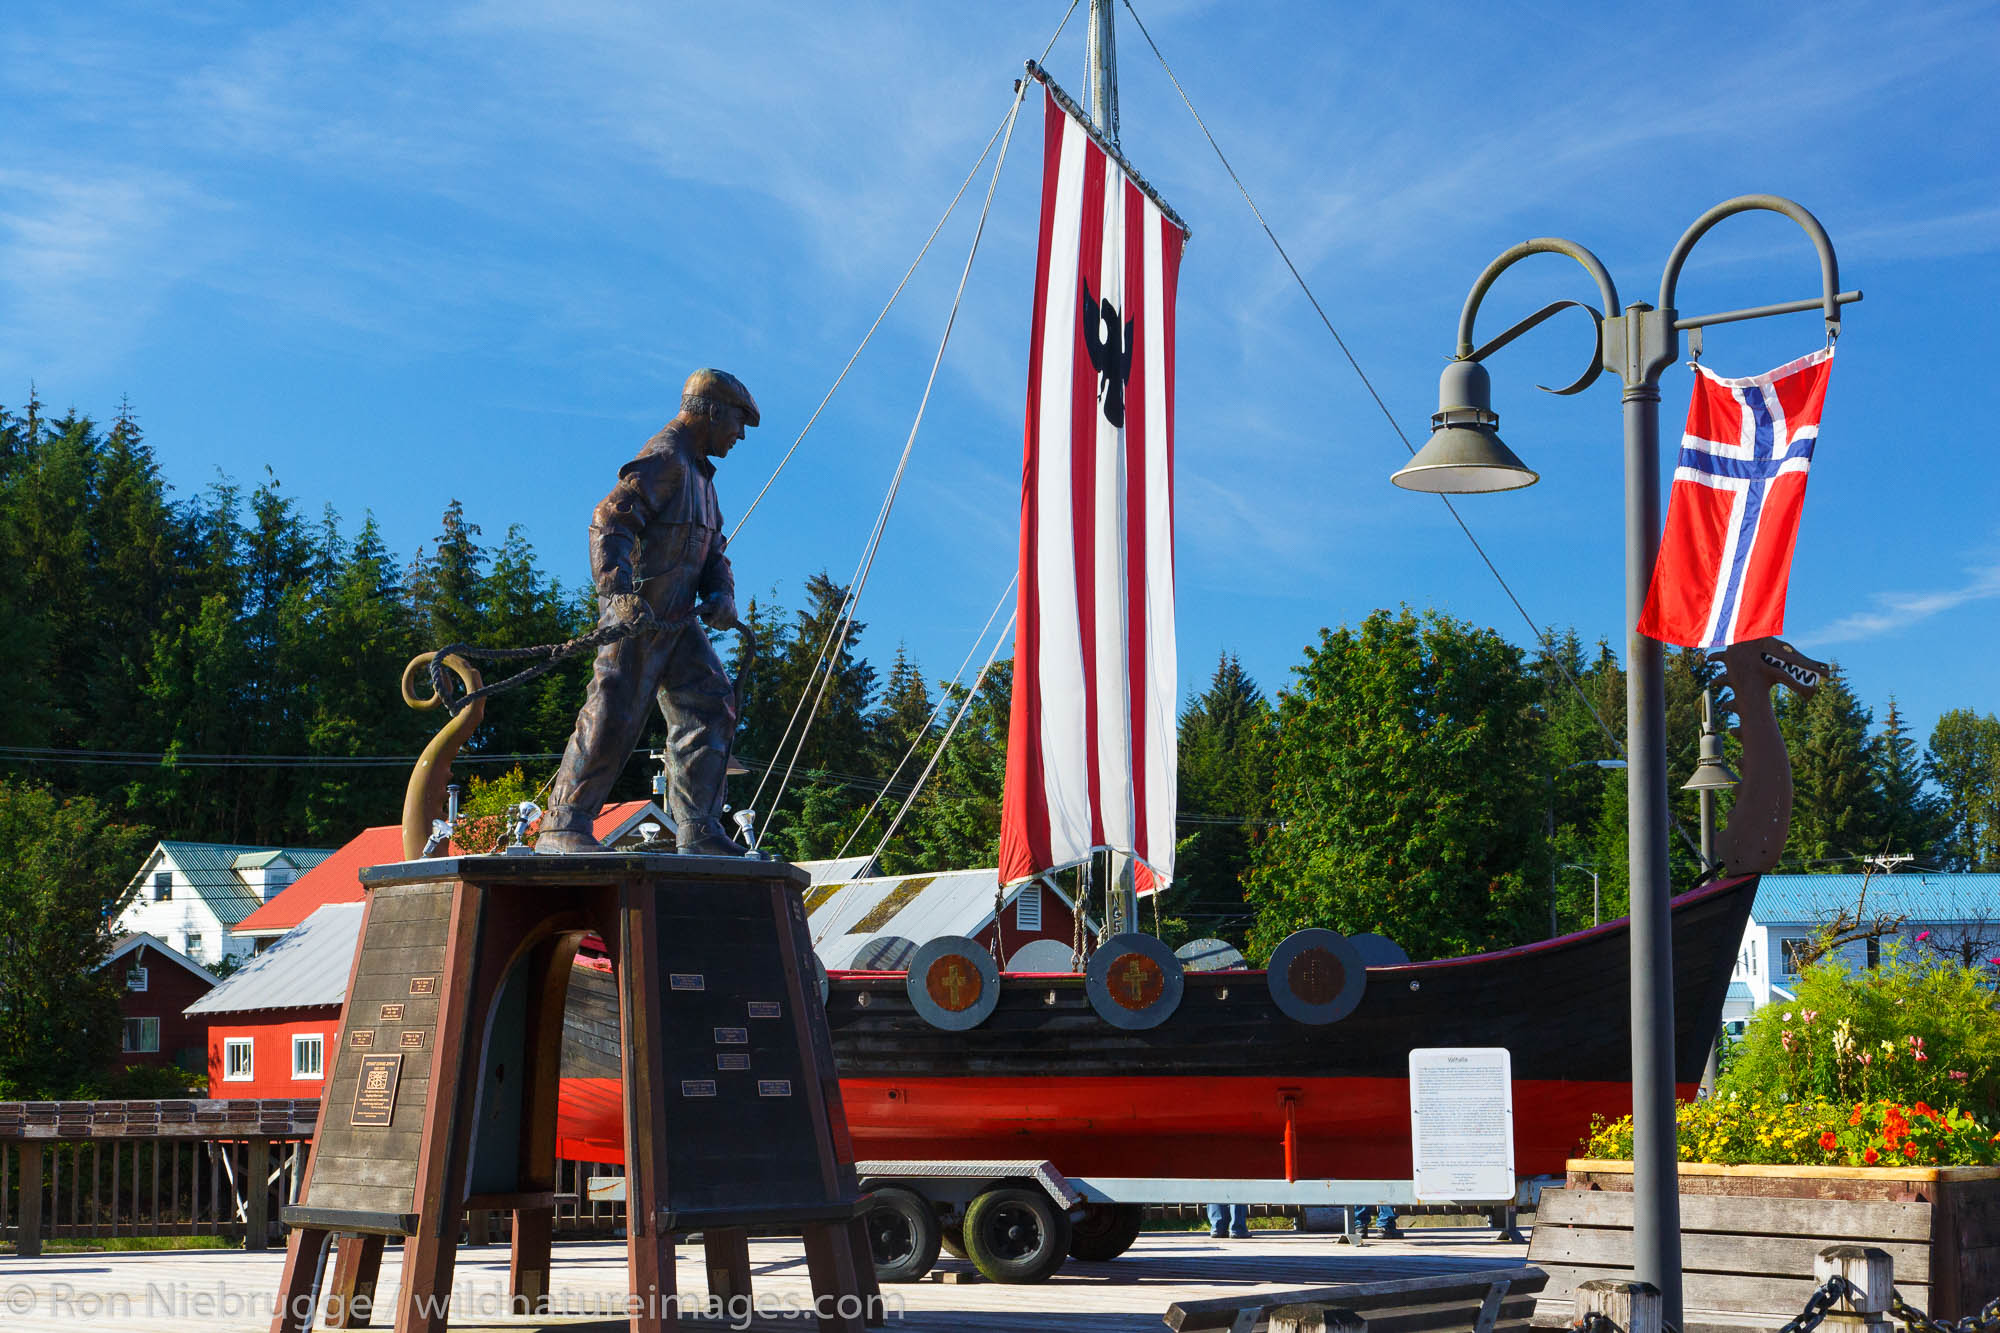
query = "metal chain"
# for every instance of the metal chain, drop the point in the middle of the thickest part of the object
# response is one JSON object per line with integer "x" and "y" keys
{"x": 1594, "y": 1321}
{"x": 1986, "y": 1321}
{"x": 1831, "y": 1293}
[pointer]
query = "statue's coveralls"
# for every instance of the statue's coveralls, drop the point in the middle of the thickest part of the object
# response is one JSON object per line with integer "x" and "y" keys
{"x": 659, "y": 534}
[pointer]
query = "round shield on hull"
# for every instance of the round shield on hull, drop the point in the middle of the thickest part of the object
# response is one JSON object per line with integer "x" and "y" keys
{"x": 884, "y": 953}
{"x": 1378, "y": 950}
{"x": 1134, "y": 981}
{"x": 1316, "y": 976}
{"x": 1043, "y": 956}
{"x": 953, "y": 983}
{"x": 1209, "y": 955}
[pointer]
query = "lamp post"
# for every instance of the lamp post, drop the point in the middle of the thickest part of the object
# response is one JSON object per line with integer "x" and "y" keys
{"x": 1711, "y": 775}
{"x": 1464, "y": 455}
{"x": 1595, "y": 902}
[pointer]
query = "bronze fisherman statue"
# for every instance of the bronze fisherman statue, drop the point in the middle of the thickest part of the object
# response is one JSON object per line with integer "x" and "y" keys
{"x": 656, "y": 550}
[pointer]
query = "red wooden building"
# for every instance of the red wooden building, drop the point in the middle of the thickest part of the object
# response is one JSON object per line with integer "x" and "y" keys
{"x": 156, "y": 984}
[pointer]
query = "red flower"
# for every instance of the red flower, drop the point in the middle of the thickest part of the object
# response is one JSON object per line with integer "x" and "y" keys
{"x": 1828, "y": 1141}
{"x": 1921, "y": 1109}
{"x": 1870, "y": 1156}
{"x": 1909, "y": 1150}
{"x": 1855, "y": 1119}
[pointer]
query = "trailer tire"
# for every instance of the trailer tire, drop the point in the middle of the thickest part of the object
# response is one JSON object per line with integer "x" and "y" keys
{"x": 952, "y": 1238}
{"x": 903, "y": 1234}
{"x": 1105, "y": 1231}
{"x": 1016, "y": 1235}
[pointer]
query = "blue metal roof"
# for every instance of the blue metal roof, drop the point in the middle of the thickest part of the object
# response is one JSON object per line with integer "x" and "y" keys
{"x": 1919, "y": 895}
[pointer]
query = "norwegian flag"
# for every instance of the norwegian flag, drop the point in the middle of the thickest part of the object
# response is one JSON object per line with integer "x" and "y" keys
{"x": 1091, "y": 741}
{"x": 1739, "y": 488}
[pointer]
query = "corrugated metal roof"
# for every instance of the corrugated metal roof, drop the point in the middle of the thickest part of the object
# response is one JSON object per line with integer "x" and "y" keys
{"x": 837, "y": 871}
{"x": 210, "y": 869}
{"x": 307, "y": 967}
{"x": 919, "y": 908}
{"x": 1919, "y": 895}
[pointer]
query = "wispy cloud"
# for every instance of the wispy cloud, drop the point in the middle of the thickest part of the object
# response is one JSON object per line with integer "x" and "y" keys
{"x": 1899, "y": 610}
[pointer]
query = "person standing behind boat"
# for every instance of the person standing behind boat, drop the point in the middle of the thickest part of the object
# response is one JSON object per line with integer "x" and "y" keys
{"x": 656, "y": 550}
{"x": 1227, "y": 1220}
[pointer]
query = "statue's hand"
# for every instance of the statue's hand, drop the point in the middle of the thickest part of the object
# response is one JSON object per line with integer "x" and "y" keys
{"x": 623, "y": 608}
{"x": 718, "y": 612}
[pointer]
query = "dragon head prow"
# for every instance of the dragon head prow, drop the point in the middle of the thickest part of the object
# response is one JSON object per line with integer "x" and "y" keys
{"x": 1773, "y": 661}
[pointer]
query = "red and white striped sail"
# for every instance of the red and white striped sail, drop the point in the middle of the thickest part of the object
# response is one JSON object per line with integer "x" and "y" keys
{"x": 1091, "y": 743}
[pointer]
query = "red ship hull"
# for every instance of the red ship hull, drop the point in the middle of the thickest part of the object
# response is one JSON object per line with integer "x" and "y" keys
{"x": 1208, "y": 1092}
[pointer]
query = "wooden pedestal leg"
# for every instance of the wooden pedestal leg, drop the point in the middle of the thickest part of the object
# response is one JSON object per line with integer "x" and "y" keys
{"x": 295, "y": 1285}
{"x": 349, "y": 1290}
{"x": 649, "y": 1247}
{"x": 864, "y": 1265}
{"x": 727, "y": 1250}
{"x": 830, "y": 1260}
{"x": 528, "y": 1263}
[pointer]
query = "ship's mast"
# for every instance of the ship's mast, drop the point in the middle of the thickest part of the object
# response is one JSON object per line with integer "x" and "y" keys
{"x": 1100, "y": 77}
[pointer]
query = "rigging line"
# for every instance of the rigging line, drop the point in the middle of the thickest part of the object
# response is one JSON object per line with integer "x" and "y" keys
{"x": 964, "y": 707}
{"x": 866, "y": 337}
{"x": 924, "y": 732}
{"x": 908, "y": 273}
{"x": 895, "y": 483}
{"x": 1541, "y": 635}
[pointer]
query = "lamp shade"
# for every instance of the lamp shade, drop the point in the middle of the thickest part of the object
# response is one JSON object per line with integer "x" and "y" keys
{"x": 1464, "y": 455}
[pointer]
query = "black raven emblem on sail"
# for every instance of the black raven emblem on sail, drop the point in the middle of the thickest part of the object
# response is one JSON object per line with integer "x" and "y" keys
{"x": 1110, "y": 346}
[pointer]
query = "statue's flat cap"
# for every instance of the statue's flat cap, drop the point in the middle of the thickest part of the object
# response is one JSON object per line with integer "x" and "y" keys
{"x": 722, "y": 387}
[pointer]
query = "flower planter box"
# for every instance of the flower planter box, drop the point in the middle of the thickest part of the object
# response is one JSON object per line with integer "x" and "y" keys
{"x": 1749, "y": 1235}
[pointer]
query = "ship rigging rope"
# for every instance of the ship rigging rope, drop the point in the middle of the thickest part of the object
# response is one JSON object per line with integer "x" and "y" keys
{"x": 964, "y": 707}
{"x": 923, "y": 732}
{"x": 832, "y": 661}
{"x": 908, "y": 273}
{"x": 1542, "y": 636}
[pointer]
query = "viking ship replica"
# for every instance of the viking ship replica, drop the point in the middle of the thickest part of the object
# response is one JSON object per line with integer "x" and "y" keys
{"x": 1130, "y": 1067}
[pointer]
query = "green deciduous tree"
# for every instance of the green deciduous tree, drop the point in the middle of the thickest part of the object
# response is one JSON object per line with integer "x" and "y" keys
{"x": 1964, "y": 761}
{"x": 1405, "y": 793}
{"x": 67, "y": 861}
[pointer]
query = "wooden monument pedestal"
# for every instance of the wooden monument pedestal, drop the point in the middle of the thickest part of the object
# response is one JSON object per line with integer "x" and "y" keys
{"x": 441, "y": 1097}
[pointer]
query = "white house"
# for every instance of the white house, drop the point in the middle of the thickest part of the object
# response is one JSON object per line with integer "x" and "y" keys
{"x": 190, "y": 894}
{"x": 1958, "y": 916}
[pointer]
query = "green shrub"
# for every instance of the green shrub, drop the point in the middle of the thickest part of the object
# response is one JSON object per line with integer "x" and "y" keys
{"x": 1898, "y": 1032}
{"x": 1735, "y": 1128}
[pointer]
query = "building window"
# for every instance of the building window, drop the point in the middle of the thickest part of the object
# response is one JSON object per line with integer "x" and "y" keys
{"x": 135, "y": 979}
{"x": 238, "y": 1062}
{"x": 1874, "y": 952}
{"x": 308, "y": 1055}
{"x": 194, "y": 949}
{"x": 1028, "y": 907}
{"x": 1791, "y": 956}
{"x": 163, "y": 886}
{"x": 142, "y": 1035}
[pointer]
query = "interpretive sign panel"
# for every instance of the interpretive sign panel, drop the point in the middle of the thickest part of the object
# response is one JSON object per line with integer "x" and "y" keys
{"x": 1462, "y": 1123}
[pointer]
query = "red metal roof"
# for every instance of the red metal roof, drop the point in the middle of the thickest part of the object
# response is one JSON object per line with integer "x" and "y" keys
{"x": 338, "y": 878}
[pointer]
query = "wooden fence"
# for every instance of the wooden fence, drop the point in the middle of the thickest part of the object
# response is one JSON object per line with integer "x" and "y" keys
{"x": 107, "y": 1171}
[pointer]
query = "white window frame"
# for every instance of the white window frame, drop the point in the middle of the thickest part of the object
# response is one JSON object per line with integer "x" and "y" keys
{"x": 148, "y": 1028}
{"x": 316, "y": 1043}
{"x": 1785, "y": 946}
{"x": 135, "y": 978}
{"x": 163, "y": 886}
{"x": 230, "y": 1047}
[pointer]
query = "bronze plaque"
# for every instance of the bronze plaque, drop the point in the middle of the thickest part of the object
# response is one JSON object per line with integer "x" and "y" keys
{"x": 766, "y": 1009}
{"x": 687, "y": 981}
{"x": 375, "y": 1089}
{"x": 732, "y": 1036}
{"x": 732, "y": 1060}
{"x": 361, "y": 1038}
{"x": 392, "y": 1013}
{"x": 423, "y": 985}
{"x": 412, "y": 1040}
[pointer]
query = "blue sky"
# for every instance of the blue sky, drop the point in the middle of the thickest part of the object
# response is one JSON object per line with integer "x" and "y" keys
{"x": 409, "y": 253}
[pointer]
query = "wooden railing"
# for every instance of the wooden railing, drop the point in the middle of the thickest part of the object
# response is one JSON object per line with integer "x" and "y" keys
{"x": 107, "y": 1171}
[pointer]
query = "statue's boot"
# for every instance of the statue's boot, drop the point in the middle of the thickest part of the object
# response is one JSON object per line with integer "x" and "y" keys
{"x": 706, "y": 838}
{"x": 566, "y": 831}
{"x": 694, "y": 790}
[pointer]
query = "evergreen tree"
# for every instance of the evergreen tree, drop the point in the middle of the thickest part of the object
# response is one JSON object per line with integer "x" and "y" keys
{"x": 1227, "y": 736}
{"x": 1837, "y": 806}
{"x": 955, "y": 821}
{"x": 1910, "y": 812}
{"x": 1405, "y": 794}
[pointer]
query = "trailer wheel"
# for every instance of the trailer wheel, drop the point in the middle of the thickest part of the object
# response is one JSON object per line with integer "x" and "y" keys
{"x": 903, "y": 1235}
{"x": 1105, "y": 1231}
{"x": 1016, "y": 1235}
{"x": 952, "y": 1238}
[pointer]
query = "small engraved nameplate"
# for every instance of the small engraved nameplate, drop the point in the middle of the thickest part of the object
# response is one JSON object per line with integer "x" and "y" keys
{"x": 732, "y": 1060}
{"x": 697, "y": 1087}
{"x": 686, "y": 981}
{"x": 732, "y": 1036}
{"x": 375, "y": 1090}
{"x": 774, "y": 1087}
{"x": 392, "y": 1013}
{"x": 412, "y": 1040}
{"x": 423, "y": 985}
{"x": 361, "y": 1038}
{"x": 766, "y": 1009}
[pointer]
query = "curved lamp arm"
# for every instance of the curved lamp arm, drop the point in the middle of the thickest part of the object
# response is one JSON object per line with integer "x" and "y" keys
{"x": 1829, "y": 267}
{"x": 1541, "y": 245}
